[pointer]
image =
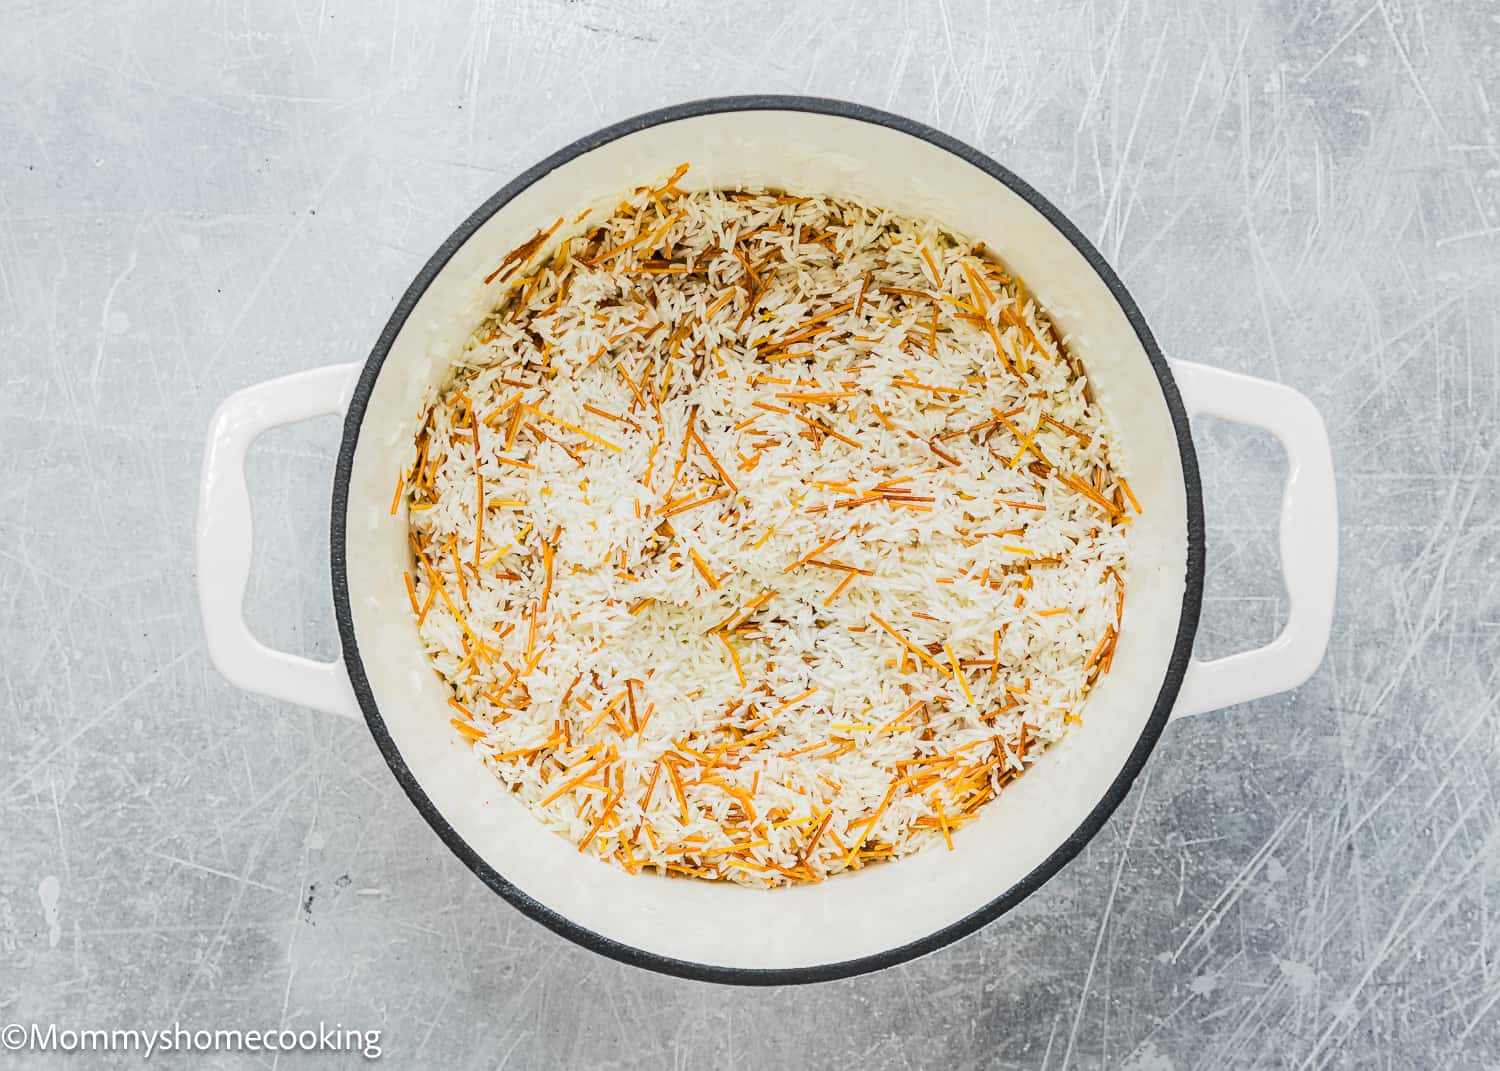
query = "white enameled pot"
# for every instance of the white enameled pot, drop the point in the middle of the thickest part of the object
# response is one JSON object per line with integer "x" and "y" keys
{"x": 880, "y": 915}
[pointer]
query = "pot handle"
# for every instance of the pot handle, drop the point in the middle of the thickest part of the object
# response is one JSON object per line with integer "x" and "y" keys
{"x": 1309, "y": 537}
{"x": 223, "y": 542}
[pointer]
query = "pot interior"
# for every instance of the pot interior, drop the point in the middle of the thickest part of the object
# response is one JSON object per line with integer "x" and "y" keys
{"x": 869, "y": 913}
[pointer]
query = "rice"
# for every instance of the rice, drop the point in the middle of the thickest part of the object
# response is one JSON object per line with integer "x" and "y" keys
{"x": 759, "y": 537}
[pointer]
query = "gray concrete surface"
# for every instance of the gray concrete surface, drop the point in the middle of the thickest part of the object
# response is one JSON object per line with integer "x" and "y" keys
{"x": 195, "y": 197}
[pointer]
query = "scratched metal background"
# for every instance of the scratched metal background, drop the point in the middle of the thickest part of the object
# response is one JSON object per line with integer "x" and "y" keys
{"x": 195, "y": 197}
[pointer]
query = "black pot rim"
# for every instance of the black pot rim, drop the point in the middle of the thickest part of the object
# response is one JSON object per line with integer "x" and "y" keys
{"x": 1092, "y": 823}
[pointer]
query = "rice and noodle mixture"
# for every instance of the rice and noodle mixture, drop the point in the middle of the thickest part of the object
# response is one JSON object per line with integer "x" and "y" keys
{"x": 761, "y": 537}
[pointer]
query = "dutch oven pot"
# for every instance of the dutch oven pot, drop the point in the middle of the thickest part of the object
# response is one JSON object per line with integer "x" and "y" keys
{"x": 880, "y": 915}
